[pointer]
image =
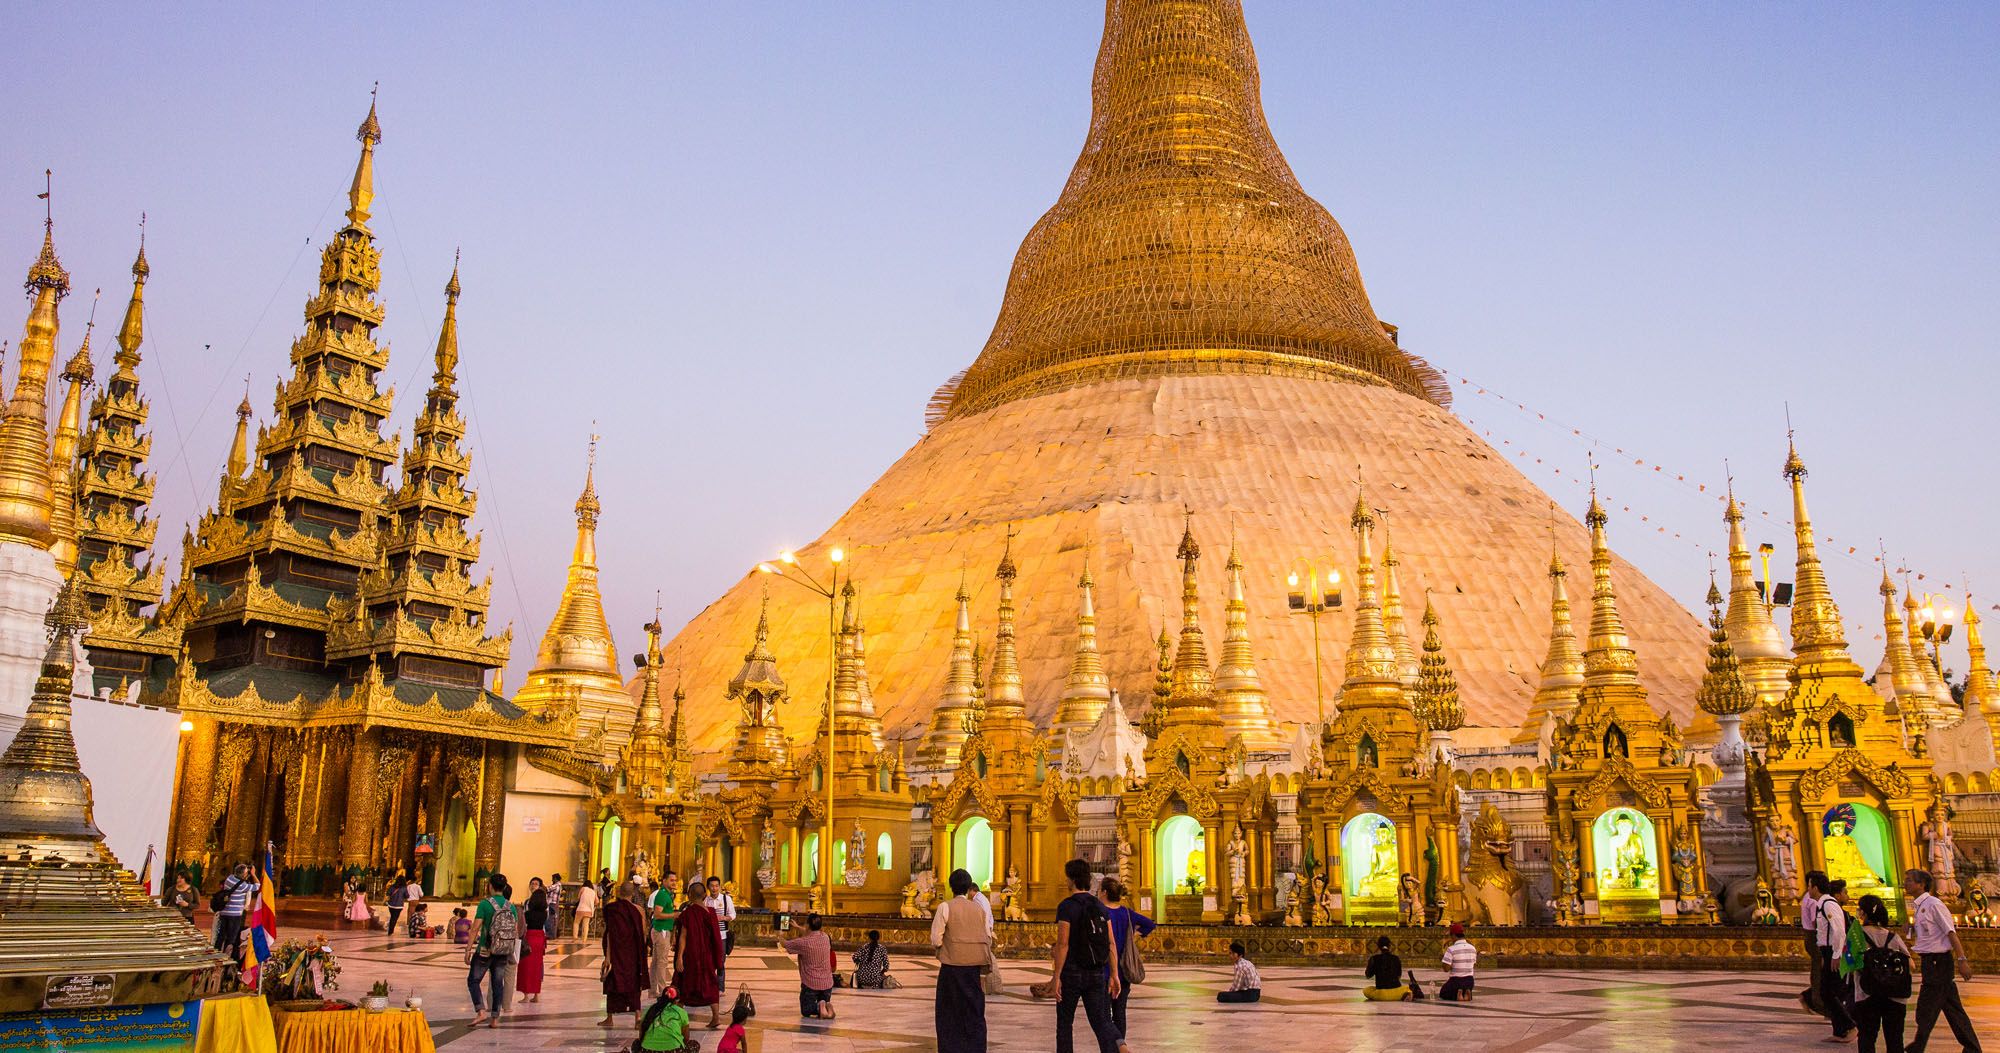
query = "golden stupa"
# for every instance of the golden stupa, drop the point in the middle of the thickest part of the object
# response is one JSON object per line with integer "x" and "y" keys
{"x": 1184, "y": 331}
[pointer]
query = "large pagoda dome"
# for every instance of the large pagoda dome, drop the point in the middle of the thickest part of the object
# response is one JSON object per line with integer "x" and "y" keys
{"x": 1185, "y": 333}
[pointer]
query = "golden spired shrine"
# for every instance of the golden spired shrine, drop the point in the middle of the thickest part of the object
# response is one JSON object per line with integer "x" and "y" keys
{"x": 1186, "y": 343}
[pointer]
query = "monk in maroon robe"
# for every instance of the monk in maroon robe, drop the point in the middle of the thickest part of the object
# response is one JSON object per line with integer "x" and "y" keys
{"x": 698, "y": 954}
{"x": 625, "y": 938}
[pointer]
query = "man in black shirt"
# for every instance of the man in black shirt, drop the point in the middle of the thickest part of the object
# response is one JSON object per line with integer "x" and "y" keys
{"x": 1386, "y": 969}
{"x": 1082, "y": 963}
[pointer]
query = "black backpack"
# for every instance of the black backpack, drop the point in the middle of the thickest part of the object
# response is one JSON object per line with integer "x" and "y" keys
{"x": 1885, "y": 972}
{"x": 220, "y": 897}
{"x": 1096, "y": 945}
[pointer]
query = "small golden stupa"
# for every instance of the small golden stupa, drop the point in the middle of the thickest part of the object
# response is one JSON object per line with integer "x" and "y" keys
{"x": 76, "y": 929}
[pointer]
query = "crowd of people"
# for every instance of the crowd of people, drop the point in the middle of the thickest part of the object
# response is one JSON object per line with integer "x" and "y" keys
{"x": 666, "y": 948}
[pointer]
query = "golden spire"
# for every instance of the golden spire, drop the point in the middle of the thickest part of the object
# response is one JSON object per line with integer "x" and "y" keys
{"x": 1562, "y": 668}
{"x": 361, "y": 192}
{"x": 239, "y": 448}
{"x": 1193, "y": 681}
{"x": 1245, "y": 707}
{"x": 1906, "y": 685}
{"x": 960, "y": 696}
{"x": 1163, "y": 672}
{"x": 63, "y": 523}
{"x": 141, "y": 948}
{"x": 1407, "y": 666}
{"x": 1817, "y": 635}
{"x": 132, "y": 331}
{"x": 579, "y": 637}
{"x": 447, "y": 349}
{"x": 1438, "y": 705}
{"x": 1723, "y": 692}
{"x": 26, "y": 504}
{"x": 863, "y": 692}
{"x": 1371, "y": 657}
{"x": 645, "y": 754}
{"x": 1754, "y": 637}
{"x": 1608, "y": 657}
{"x": 1980, "y": 690}
{"x": 1182, "y": 242}
{"x": 1005, "y": 701}
{"x": 1087, "y": 690}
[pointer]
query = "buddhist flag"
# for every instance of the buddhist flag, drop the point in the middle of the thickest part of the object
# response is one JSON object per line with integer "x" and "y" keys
{"x": 262, "y": 921}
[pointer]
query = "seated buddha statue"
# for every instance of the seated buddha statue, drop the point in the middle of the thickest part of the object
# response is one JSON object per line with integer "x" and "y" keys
{"x": 1379, "y": 881}
{"x": 1844, "y": 859}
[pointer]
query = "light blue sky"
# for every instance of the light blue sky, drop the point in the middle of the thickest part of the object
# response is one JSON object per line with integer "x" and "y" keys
{"x": 750, "y": 239}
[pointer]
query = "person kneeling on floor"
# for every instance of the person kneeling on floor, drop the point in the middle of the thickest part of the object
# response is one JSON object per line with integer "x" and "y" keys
{"x": 1459, "y": 958}
{"x": 1386, "y": 969}
{"x": 1246, "y": 985}
{"x": 665, "y": 1028}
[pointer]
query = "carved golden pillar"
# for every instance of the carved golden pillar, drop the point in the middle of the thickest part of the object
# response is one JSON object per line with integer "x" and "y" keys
{"x": 194, "y": 796}
{"x": 402, "y": 846}
{"x": 1017, "y": 846}
{"x": 246, "y": 806}
{"x": 492, "y": 807}
{"x": 357, "y": 834}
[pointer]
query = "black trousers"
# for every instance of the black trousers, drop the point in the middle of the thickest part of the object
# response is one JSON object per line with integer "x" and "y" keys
{"x": 1118, "y": 1007}
{"x": 1251, "y": 995}
{"x": 1940, "y": 995}
{"x": 229, "y": 934}
{"x": 1094, "y": 991}
{"x": 1452, "y": 986}
{"x": 1811, "y": 994}
{"x": 960, "y": 1011}
{"x": 1880, "y": 1016}
{"x": 394, "y": 913}
{"x": 1835, "y": 993}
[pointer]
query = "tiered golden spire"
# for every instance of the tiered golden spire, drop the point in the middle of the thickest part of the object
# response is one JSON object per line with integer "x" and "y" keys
{"x": 579, "y": 635}
{"x": 239, "y": 448}
{"x": 113, "y": 490}
{"x": 646, "y": 755}
{"x": 1981, "y": 692}
{"x": 1818, "y": 637}
{"x": 1240, "y": 695}
{"x": 76, "y": 374}
{"x": 1006, "y": 704}
{"x": 1192, "y": 700}
{"x": 26, "y": 503}
{"x": 758, "y": 687}
{"x": 1723, "y": 692}
{"x": 63, "y": 871}
{"x": 1562, "y": 668}
{"x": 1087, "y": 690}
{"x": 1438, "y": 704}
{"x": 960, "y": 696}
{"x": 1372, "y": 667}
{"x": 1760, "y": 649}
{"x": 1182, "y": 242}
{"x": 1163, "y": 674}
{"x": 1407, "y": 666}
{"x": 1608, "y": 657}
{"x": 1906, "y": 685}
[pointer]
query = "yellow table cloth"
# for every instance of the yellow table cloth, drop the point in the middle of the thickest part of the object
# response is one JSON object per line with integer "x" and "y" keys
{"x": 353, "y": 1031}
{"x": 236, "y": 1024}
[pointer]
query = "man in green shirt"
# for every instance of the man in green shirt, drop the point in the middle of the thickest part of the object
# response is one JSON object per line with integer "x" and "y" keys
{"x": 661, "y": 906}
{"x": 494, "y": 951}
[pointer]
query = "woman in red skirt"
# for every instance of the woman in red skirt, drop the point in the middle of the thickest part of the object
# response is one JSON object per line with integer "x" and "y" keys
{"x": 534, "y": 942}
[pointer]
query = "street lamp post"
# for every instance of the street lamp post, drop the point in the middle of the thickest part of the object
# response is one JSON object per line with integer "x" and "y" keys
{"x": 1320, "y": 593}
{"x": 788, "y": 568}
{"x": 1936, "y": 627}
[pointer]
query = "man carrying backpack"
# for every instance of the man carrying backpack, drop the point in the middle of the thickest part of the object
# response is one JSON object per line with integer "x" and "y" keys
{"x": 494, "y": 951}
{"x": 230, "y": 901}
{"x": 1938, "y": 950}
{"x": 1082, "y": 957}
{"x": 1882, "y": 983}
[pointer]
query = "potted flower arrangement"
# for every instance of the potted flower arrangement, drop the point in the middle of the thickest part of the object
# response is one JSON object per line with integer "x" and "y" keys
{"x": 378, "y": 997}
{"x": 299, "y": 972}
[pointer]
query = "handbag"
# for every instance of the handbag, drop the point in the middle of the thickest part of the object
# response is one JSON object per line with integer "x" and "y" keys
{"x": 1131, "y": 967}
{"x": 744, "y": 1003}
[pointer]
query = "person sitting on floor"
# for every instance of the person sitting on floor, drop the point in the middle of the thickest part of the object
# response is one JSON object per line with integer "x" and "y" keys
{"x": 461, "y": 926}
{"x": 1386, "y": 969}
{"x": 1245, "y": 985}
{"x": 665, "y": 1028}
{"x": 871, "y": 963}
{"x": 1459, "y": 957}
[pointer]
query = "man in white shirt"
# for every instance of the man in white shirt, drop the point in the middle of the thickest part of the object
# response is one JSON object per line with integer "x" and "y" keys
{"x": 1809, "y": 920}
{"x": 1935, "y": 940}
{"x": 724, "y": 906}
{"x": 1460, "y": 957}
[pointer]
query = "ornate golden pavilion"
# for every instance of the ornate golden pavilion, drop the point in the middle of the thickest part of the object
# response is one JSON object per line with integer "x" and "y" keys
{"x": 334, "y": 648}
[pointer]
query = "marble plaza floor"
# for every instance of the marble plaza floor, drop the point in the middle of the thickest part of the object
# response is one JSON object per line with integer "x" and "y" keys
{"x": 1600, "y": 1011}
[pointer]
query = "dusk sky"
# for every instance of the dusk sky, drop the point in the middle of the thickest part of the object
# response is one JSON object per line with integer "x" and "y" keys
{"x": 749, "y": 240}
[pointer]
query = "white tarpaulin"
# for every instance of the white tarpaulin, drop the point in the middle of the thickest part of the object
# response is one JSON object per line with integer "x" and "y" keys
{"x": 128, "y": 754}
